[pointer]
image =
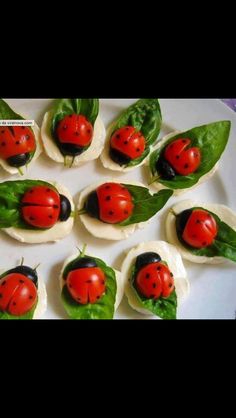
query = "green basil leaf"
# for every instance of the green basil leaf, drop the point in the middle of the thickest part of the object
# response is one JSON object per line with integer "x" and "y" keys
{"x": 145, "y": 116}
{"x": 211, "y": 139}
{"x": 7, "y": 113}
{"x": 165, "y": 308}
{"x": 224, "y": 244}
{"x": 104, "y": 308}
{"x": 62, "y": 107}
{"x": 11, "y": 193}
{"x": 145, "y": 204}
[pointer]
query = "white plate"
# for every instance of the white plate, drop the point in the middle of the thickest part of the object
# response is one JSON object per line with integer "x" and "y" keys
{"x": 213, "y": 288}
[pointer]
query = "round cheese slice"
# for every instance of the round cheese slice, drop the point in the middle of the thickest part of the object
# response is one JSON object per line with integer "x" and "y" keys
{"x": 57, "y": 232}
{"x": 101, "y": 229}
{"x": 109, "y": 163}
{"x": 158, "y": 186}
{"x": 14, "y": 170}
{"x": 55, "y": 154}
{"x": 119, "y": 280}
{"x": 224, "y": 213}
{"x": 171, "y": 256}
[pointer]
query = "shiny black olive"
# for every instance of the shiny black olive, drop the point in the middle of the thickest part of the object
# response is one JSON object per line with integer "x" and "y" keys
{"x": 65, "y": 208}
{"x": 92, "y": 206}
{"x": 181, "y": 221}
{"x": 71, "y": 149}
{"x": 164, "y": 169}
{"x": 118, "y": 157}
{"x": 26, "y": 271}
{"x": 146, "y": 258}
{"x": 83, "y": 262}
{"x": 19, "y": 160}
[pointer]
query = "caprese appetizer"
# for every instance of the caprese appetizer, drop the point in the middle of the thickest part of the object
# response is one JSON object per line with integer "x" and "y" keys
{"x": 130, "y": 137}
{"x": 183, "y": 160}
{"x": 202, "y": 232}
{"x": 73, "y": 132}
{"x": 114, "y": 210}
{"x": 155, "y": 279}
{"x": 34, "y": 211}
{"x": 19, "y": 145}
{"x": 89, "y": 288}
{"x": 22, "y": 294}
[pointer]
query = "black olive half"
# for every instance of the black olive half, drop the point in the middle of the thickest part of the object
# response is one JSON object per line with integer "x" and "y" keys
{"x": 118, "y": 157}
{"x": 146, "y": 258}
{"x": 19, "y": 160}
{"x": 83, "y": 262}
{"x": 71, "y": 149}
{"x": 65, "y": 208}
{"x": 164, "y": 169}
{"x": 181, "y": 221}
{"x": 26, "y": 271}
{"x": 92, "y": 205}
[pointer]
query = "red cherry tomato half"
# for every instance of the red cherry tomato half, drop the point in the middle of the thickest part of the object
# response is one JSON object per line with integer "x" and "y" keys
{"x": 200, "y": 229}
{"x": 75, "y": 129}
{"x": 40, "y": 207}
{"x": 128, "y": 141}
{"x": 184, "y": 160}
{"x": 115, "y": 203}
{"x": 155, "y": 280}
{"x": 86, "y": 285}
{"x": 18, "y": 294}
{"x": 16, "y": 140}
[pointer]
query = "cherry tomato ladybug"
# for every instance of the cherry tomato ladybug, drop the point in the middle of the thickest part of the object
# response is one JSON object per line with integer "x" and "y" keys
{"x": 200, "y": 229}
{"x": 184, "y": 160}
{"x": 16, "y": 145}
{"x": 126, "y": 144}
{"x": 155, "y": 280}
{"x": 18, "y": 294}
{"x": 111, "y": 203}
{"x": 86, "y": 285}
{"x": 40, "y": 207}
{"x": 74, "y": 133}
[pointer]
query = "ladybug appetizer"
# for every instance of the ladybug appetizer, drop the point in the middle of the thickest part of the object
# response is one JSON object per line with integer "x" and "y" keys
{"x": 203, "y": 233}
{"x": 72, "y": 131}
{"x": 183, "y": 160}
{"x": 19, "y": 145}
{"x": 155, "y": 279}
{"x": 114, "y": 210}
{"x": 131, "y": 136}
{"x": 34, "y": 211}
{"x": 22, "y": 294}
{"x": 90, "y": 289}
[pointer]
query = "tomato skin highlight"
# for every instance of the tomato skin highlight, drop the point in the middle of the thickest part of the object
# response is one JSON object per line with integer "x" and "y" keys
{"x": 86, "y": 285}
{"x": 200, "y": 230}
{"x": 40, "y": 207}
{"x": 115, "y": 203}
{"x": 128, "y": 141}
{"x": 16, "y": 140}
{"x": 75, "y": 129}
{"x": 18, "y": 294}
{"x": 184, "y": 160}
{"x": 154, "y": 280}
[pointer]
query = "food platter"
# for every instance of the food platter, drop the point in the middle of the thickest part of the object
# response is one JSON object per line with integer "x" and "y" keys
{"x": 212, "y": 287}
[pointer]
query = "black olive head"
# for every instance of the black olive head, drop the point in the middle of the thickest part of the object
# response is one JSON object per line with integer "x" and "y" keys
{"x": 83, "y": 262}
{"x": 164, "y": 169}
{"x": 19, "y": 160}
{"x": 65, "y": 208}
{"x": 146, "y": 258}
{"x": 181, "y": 221}
{"x": 71, "y": 149}
{"x": 92, "y": 205}
{"x": 118, "y": 157}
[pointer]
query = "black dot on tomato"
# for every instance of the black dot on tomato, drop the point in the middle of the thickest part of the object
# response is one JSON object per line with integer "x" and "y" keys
{"x": 76, "y": 133}
{"x": 158, "y": 268}
{"x": 31, "y": 191}
{"x": 170, "y": 285}
{"x": 70, "y": 116}
{"x": 152, "y": 296}
{"x": 3, "y": 283}
{"x": 118, "y": 136}
{"x": 138, "y": 149}
{"x": 171, "y": 274}
{"x": 154, "y": 285}
{"x": 147, "y": 276}
{"x": 17, "y": 142}
{"x": 78, "y": 299}
{"x": 107, "y": 187}
{"x": 126, "y": 212}
{"x": 55, "y": 206}
{"x": 111, "y": 212}
{"x": 2, "y": 132}
{"x": 31, "y": 218}
{"x": 204, "y": 243}
{"x": 184, "y": 141}
{"x": 195, "y": 155}
{"x": 186, "y": 165}
{"x": 198, "y": 221}
{"x": 108, "y": 198}
{"x": 126, "y": 142}
{"x": 3, "y": 144}
{"x": 30, "y": 297}
{"x": 70, "y": 286}
{"x": 14, "y": 303}
{"x": 23, "y": 127}
{"x": 102, "y": 282}
{"x": 127, "y": 129}
{"x": 177, "y": 157}
{"x": 27, "y": 137}
{"x": 21, "y": 281}
{"x": 50, "y": 216}
{"x": 65, "y": 127}
{"x": 48, "y": 190}
{"x": 98, "y": 297}
{"x": 0, "y": 295}
{"x": 88, "y": 131}
{"x": 88, "y": 281}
